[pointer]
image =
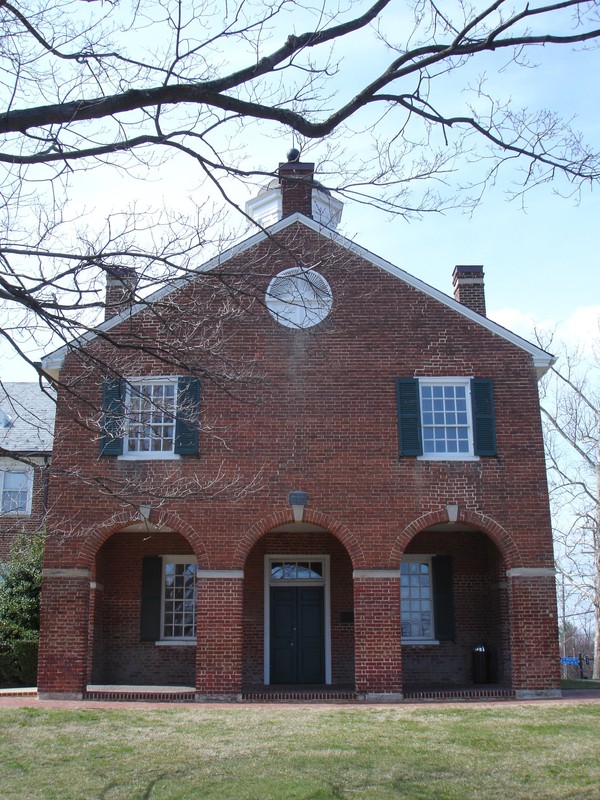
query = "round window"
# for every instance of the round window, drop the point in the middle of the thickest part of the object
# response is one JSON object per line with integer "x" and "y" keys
{"x": 299, "y": 298}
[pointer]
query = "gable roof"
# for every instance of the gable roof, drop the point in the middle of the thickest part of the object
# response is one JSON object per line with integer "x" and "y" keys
{"x": 26, "y": 417}
{"x": 542, "y": 360}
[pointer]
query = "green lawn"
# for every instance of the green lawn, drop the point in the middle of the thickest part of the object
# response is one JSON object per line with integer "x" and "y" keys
{"x": 502, "y": 751}
{"x": 577, "y": 684}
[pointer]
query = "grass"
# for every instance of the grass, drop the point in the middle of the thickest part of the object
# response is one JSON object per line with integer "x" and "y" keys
{"x": 580, "y": 684}
{"x": 500, "y": 752}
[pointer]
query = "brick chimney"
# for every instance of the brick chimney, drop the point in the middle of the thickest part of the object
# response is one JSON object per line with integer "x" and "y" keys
{"x": 296, "y": 179}
{"x": 121, "y": 283}
{"x": 467, "y": 280}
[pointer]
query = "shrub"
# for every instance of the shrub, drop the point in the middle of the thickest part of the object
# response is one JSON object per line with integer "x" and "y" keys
{"x": 20, "y": 586}
{"x": 18, "y": 662}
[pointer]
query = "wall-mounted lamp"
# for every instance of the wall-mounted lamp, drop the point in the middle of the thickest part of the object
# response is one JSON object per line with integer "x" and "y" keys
{"x": 452, "y": 511}
{"x": 145, "y": 509}
{"x": 298, "y": 501}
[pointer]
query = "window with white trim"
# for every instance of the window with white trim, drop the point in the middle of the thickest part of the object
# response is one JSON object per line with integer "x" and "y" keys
{"x": 446, "y": 418}
{"x": 15, "y": 491}
{"x": 446, "y": 424}
{"x": 299, "y": 298}
{"x": 150, "y": 417}
{"x": 178, "y": 598}
{"x": 297, "y": 571}
{"x": 416, "y": 599}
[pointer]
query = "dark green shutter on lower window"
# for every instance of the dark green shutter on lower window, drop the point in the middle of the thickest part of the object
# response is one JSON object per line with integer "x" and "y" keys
{"x": 484, "y": 423}
{"x": 111, "y": 440}
{"x": 443, "y": 598}
{"x": 409, "y": 417}
{"x": 151, "y": 598}
{"x": 188, "y": 416}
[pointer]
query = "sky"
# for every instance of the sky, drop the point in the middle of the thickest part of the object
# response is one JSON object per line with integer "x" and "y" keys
{"x": 540, "y": 255}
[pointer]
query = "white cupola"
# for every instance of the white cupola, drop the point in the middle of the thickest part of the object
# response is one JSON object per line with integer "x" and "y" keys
{"x": 295, "y": 190}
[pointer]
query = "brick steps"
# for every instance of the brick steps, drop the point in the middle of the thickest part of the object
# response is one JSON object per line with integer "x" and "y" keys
{"x": 297, "y": 696}
{"x": 143, "y": 697}
{"x": 460, "y": 694}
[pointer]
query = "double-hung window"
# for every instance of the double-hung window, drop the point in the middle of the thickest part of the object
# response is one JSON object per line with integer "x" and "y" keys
{"x": 169, "y": 599}
{"x": 426, "y": 599}
{"x": 446, "y": 418}
{"x": 178, "y": 617}
{"x": 416, "y": 598}
{"x": 15, "y": 491}
{"x": 150, "y": 418}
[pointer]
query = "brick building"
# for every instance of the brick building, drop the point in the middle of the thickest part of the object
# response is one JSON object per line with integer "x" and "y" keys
{"x": 299, "y": 470}
{"x": 26, "y": 430}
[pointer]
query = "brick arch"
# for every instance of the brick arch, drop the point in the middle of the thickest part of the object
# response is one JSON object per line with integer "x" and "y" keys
{"x": 120, "y": 520}
{"x": 499, "y": 535}
{"x": 332, "y": 526}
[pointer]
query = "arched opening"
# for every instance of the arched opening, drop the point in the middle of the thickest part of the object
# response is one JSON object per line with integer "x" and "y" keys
{"x": 454, "y": 611}
{"x": 298, "y": 610}
{"x": 143, "y": 609}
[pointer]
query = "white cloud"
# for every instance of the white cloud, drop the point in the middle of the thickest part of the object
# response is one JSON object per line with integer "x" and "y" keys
{"x": 580, "y": 329}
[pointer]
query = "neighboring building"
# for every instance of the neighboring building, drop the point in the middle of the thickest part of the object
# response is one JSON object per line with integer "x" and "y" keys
{"x": 26, "y": 431}
{"x": 299, "y": 469}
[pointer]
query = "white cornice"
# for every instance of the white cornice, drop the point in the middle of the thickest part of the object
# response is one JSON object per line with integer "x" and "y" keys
{"x": 542, "y": 361}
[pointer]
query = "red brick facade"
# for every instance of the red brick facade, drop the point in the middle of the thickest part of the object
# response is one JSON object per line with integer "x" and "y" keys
{"x": 315, "y": 411}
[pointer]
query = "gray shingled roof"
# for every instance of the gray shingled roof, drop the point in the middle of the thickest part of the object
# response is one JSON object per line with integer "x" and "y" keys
{"x": 26, "y": 417}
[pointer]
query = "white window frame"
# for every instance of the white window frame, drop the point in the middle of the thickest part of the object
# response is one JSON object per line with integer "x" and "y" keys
{"x": 8, "y": 467}
{"x": 299, "y": 298}
{"x": 446, "y": 456}
{"x": 418, "y": 640}
{"x": 147, "y": 455}
{"x": 325, "y": 582}
{"x": 177, "y": 640}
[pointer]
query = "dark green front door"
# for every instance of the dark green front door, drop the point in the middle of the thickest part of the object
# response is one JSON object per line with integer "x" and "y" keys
{"x": 297, "y": 634}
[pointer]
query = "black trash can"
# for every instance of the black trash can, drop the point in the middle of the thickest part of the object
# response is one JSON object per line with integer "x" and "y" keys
{"x": 481, "y": 664}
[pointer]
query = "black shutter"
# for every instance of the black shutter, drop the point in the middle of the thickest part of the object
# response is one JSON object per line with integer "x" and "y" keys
{"x": 188, "y": 416}
{"x": 409, "y": 417}
{"x": 484, "y": 423}
{"x": 111, "y": 440}
{"x": 151, "y": 598}
{"x": 443, "y": 598}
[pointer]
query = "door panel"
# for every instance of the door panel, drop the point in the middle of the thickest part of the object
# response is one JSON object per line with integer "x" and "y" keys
{"x": 283, "y": 635}
{"x": 311, "y": 660}
{"x": 297, "y": 634}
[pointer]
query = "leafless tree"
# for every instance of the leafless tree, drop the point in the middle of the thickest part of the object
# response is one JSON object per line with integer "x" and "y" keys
{"x": 92, "y": 89}
{"x": 92, "y": 86}
{"x": 571, "y": 415}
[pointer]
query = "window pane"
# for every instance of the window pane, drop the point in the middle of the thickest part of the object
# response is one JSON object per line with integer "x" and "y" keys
{"x": 289, "y": 570}
{"x": 277, "y": 570}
